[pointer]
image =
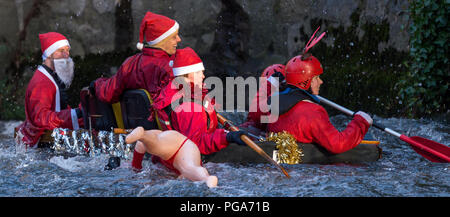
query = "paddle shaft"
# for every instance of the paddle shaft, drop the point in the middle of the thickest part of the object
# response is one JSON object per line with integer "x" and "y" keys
{"x": 351, "y": 113}
{"x": 124, "y": 131}
{"x": 388, "y": 130}
{"x": 121, "y": 131}
{"x": 250, "y": 143}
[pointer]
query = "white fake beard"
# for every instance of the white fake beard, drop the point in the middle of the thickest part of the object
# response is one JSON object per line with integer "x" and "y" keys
{"x": 64, "y": 70}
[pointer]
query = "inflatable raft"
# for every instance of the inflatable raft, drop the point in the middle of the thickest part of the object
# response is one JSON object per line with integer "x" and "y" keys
{"x": 312, "y": 154}
{"x": 133, "y": 110}
{"x": 67, "y": 141}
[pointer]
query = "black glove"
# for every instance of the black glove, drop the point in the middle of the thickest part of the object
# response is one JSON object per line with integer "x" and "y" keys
{"x": 235, "y": 137}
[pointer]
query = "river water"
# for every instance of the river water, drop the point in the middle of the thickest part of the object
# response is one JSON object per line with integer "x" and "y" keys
{"x": 400, "y": 172}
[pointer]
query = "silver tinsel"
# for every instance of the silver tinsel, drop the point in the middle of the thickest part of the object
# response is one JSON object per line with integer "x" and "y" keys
{"x": 80, "y": 142}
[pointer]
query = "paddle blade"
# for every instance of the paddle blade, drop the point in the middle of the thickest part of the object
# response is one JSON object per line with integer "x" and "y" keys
{"x": 431, "y": 150}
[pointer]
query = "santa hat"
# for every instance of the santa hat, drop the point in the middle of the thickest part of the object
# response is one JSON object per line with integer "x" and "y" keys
{"x": 50, "y": 42}
{"x": 185, "y": 62}
{"x": 155, "y": 28}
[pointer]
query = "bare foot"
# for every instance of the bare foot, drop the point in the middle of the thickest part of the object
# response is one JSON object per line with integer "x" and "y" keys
{"x": 211, "y": 182}
{"x": 134, "y": 135}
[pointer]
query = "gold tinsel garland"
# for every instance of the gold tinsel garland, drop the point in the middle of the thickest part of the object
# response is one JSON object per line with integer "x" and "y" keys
{"x": 288, "y": 150}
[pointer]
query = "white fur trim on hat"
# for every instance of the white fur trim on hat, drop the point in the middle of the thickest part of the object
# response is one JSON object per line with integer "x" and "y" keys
{"x": 55, "y": 46}
{"x": 188, "y": 69}
{"x": 169, "y": 32}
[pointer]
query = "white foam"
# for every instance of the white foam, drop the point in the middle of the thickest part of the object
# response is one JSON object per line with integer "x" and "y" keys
{"x": 78, "y": 163}
{"x": 7, "y": 127}
{"x": 68, "y": 164}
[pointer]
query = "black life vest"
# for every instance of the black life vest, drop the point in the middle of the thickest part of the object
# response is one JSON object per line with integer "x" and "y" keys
{"x": 288, "y": 98}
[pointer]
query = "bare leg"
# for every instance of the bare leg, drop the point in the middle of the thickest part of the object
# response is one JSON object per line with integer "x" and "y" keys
{"x": 188, "y": 161}
{"x": 165, "y": 143}
{"x": 150, "y": 141}
{"x": 139, "y": 148}
{"x": 135, "y": 135}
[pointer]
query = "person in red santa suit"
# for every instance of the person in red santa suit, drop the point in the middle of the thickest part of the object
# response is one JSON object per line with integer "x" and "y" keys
{"x": 274, "y": 75}
{"x": 148, "y": 69}
{"x": 302, "y": 116}
{"x": 184, "y": 106}
{"x": 46, "y": 100}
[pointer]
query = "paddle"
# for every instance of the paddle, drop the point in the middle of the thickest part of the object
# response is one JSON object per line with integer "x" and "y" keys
{"x": 227, "y": 124}
{"x": 431, "y": 150}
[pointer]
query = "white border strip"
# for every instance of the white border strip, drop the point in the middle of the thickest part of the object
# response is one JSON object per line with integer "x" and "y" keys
{"x": 57, "y": 100}
{"x": 169, "y": 32}
{"x": 55, "y": 46}
{"x": 73, "y": 115}
{"x": 188, "y": 69}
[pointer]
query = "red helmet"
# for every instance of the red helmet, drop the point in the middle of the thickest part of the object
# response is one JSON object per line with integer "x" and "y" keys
{"x": 300, "y": 70}
{"x": 272, "y": 69}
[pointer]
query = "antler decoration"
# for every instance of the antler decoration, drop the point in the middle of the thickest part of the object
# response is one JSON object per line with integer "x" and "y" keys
{"x": 312, "y": 41}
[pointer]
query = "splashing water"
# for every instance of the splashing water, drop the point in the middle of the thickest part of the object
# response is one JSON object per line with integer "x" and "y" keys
{"x": 400, "y": 172}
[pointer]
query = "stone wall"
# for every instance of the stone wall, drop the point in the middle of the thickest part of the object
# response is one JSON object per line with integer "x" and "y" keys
{"x": 363, "y": 53}
{"x": 253, "y": 33}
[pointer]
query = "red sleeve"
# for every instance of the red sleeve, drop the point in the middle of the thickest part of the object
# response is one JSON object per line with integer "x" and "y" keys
{"x": 138, "y": 71}
{"x": 194, "y": 126}
{"x": 110, "y": 89}
{"x": 325, "y": 134}
{"x": 40, "y": 106}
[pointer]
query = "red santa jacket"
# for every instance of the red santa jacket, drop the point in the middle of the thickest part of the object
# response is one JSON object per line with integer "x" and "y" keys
{"x": 197, "y": 120}
{"x": 259, "y": 106}
{"x": 309, "y": 122}
{"x": 43, "y": 108}
{"x": 149, "y": 70}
